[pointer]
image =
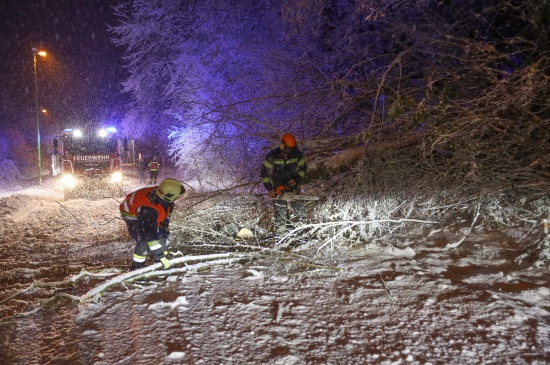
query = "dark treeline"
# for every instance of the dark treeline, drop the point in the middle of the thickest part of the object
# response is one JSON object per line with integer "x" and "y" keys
{"x": 454, "y": 93}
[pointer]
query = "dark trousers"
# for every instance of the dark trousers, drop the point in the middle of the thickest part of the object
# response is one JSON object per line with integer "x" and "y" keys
{"x": 280, "y": 208}
{"x": 144, "y": 230}
{"x": 153, "y": 177}
{"x": 142, "y": 176}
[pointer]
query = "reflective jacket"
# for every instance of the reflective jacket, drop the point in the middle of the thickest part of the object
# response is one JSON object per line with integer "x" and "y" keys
{"x": 278, "y": 170}
{"x": 154, "y": 166}
{"x": 145, "y": 197}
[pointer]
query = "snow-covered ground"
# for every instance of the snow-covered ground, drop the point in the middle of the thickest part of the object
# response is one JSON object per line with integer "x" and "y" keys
{"x": 416, "y": 302}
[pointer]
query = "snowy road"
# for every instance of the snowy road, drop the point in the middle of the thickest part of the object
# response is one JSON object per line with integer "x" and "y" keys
{"x": 418, "y": 303}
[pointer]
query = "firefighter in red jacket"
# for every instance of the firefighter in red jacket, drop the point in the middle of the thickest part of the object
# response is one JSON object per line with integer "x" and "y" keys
{"x": 283, "y": 170}
{"x": 147, "y": 214}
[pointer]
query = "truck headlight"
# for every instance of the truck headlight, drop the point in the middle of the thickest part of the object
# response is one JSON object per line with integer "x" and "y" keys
{"x": 68, "y": 180}
{"x": 116, "y": 177}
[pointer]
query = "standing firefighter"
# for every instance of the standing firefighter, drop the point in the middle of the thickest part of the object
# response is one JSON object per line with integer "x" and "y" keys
{"x": 154, "y": 167}
{"x": 283, "y": 170}
{"x": 147, "y": 213}
{"x": 142, "y": 169}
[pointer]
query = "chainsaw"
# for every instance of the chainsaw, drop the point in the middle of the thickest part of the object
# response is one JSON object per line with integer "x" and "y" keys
{"x": 285, "y": 193}
{"x": 293, "y": 196}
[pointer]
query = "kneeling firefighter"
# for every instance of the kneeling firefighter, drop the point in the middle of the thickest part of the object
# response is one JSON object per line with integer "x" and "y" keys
{"x": 147, "y": 214}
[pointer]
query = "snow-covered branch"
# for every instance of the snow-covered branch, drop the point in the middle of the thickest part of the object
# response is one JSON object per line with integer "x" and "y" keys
{"x": 153, "y": 271}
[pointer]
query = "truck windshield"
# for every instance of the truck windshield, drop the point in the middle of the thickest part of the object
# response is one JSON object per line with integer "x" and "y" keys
{"x": 90, "y": 145}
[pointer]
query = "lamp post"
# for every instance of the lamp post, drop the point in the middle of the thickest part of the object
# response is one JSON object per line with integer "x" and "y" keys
{"x": 35, "y": 52}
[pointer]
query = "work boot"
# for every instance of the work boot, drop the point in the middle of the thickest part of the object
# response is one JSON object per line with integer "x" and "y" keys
{"x": 137, "y": 265}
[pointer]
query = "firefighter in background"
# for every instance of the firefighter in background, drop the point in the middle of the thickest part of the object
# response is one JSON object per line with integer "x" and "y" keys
{"x": 283, "y": 170}
{"x": 154, "y": 167}
{"x": 147, "y": 213}
{"x": 142, "y": 169}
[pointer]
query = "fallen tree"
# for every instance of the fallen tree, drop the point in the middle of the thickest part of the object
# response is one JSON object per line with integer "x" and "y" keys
{"x": 95, "y": 294}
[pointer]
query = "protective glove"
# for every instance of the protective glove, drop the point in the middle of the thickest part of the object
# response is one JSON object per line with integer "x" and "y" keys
{"x": 291, "y": 184}
{"x": 166, "y": 263}
{"x": 272, "y": 194}
{"x": 280, "y": 189}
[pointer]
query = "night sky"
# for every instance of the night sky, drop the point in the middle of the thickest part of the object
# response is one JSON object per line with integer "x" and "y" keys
{"x": 79, "y": 81}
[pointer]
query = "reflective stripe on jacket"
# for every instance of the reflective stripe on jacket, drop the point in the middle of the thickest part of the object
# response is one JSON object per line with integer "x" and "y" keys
{"x": 130, "y": 206}
{"x": 154, "y": 166}
{"x": 278, "y": 170}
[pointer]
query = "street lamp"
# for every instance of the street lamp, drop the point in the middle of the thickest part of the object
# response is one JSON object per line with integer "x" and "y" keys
{"x": 35, "y": 52}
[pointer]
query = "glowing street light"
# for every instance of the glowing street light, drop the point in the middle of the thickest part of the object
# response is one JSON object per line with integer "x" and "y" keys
{"x": 35, "y": 52}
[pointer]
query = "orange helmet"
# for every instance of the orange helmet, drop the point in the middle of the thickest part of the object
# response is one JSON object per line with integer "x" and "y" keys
{"x": 288, "y": 140}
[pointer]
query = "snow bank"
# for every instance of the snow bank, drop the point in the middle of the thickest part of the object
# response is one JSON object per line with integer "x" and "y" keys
{"x": 9, "y": 174}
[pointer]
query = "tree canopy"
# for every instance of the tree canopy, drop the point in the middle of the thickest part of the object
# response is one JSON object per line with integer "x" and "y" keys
{"x": 450, "y": 92}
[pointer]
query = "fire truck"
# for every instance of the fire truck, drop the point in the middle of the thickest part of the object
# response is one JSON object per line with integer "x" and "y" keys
{"x": 90, "y": 161}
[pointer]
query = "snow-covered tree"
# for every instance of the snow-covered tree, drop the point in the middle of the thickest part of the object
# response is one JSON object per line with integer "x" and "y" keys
{"x": 427, "y": 78}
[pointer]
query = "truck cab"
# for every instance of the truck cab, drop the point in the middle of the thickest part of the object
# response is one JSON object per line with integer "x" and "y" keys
{"x": 90, "y": 162}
